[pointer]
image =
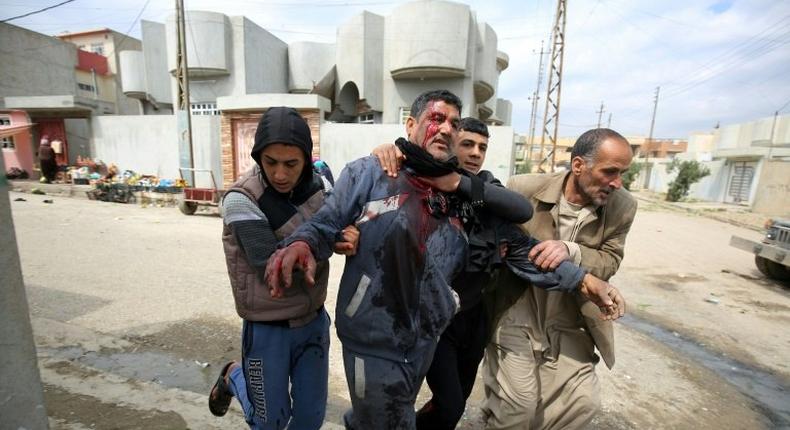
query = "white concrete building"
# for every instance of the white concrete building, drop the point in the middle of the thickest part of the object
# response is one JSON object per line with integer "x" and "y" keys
{"x": 366, "y": 80}
{"x": 749, "y": 165}
{"x": 372, "y": 73}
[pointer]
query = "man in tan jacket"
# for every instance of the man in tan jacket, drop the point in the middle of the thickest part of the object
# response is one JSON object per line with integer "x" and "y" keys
{"x": 540, "y": 364}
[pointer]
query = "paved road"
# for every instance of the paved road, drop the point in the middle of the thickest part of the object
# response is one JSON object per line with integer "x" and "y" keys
{"x": 133, "y": 317}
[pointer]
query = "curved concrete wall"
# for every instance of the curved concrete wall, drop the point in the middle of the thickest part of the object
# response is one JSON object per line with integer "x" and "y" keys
{"x": 428, "y": 40}
{"x": 502, "y": 61}
{"x": 308, "y": 63}
{"x": 486, "y": 73}
{"x": 360, "y": 57}
{"x": 265, "y": 59}
{"x": 503, "y": 110}
{"x": 157, "y": 80}
{"x": 133, "y": 73}
{"x": 208, "y": 43}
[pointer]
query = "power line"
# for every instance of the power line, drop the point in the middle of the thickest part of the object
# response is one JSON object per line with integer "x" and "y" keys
{"x": 728, "y": 66}
{"x": 115, "y": 47}
{"x": 37, "y": 11}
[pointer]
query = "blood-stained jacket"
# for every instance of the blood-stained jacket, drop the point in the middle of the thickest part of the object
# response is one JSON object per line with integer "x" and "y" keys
{"x": 395, "y": 292}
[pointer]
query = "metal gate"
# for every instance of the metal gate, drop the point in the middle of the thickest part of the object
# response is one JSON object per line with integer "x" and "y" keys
{"x": 741, "y": 181}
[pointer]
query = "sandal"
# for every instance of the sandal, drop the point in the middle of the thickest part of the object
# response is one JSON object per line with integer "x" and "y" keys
{"x": 219, "y": 404}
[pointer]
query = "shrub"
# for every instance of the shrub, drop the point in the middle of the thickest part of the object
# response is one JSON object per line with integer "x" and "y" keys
{"x": 525, "y": 167}
{"x": 689, "y": 172}
{"x": 631, "y": 174}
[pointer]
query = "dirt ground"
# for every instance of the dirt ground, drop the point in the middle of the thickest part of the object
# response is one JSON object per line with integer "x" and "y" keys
{"x": 133, "y": 318}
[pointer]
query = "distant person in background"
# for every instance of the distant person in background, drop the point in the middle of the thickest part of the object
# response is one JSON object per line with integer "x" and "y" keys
{"x": 46, "y": 159}
{"x": 323, "y": 169}
{"x": 59, "y": 147}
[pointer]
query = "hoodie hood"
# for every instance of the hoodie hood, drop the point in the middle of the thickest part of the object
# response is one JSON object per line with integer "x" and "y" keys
{"x": 284, "y": 125}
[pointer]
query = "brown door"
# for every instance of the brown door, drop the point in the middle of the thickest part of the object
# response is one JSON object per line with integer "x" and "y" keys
{"x": 243, "y": 139}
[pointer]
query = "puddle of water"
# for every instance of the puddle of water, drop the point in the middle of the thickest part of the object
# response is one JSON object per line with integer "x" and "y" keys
{"x": 762, "y": 387}
{"x": 145, "y": 366}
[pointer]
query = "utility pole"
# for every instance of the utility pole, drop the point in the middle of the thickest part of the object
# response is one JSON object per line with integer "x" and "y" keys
{"x": 186, "y": 158}
{"x": 648, "y": 169}
{"x": 22, "y": 395}
{"x": 609, "y": 122}
{"x": 551, "y": 116}
{"x": 771, "y": 141}
{"x": 534, "y": 114}
{"x": 599, "y": 112}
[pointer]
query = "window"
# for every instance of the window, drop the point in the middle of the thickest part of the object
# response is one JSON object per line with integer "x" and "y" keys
{"x": 6, "y": 142}
{"x": 404, "y": 114}
{"x": 97, "y": 48}
{"x": 86, "y": 87}
{"x": 366, "y": 118}
{"x": 204, "y": 109}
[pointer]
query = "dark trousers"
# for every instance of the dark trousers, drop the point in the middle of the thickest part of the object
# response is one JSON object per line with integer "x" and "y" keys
{"x": 383, "y": 392}
{"x": 454, "y": 368}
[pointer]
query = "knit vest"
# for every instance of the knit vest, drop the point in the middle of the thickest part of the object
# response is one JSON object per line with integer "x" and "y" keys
{"x": 300, "y": 302}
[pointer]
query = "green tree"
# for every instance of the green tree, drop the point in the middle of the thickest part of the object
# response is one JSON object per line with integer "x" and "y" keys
{"x": 689, "y": 172}
{"x": 525, "y": 167}
{"x": 631, "y": 174}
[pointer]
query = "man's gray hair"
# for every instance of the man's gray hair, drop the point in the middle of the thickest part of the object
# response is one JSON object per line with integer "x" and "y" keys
{"x": 587, "y": 144}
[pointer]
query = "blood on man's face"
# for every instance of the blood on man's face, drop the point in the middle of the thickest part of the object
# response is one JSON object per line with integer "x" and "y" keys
{"x": 436, "y": 128}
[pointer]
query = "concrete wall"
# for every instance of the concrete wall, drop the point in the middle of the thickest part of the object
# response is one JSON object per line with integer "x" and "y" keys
{"x": 700, "y": 147}
{"x": 486, "y": 75}
{"x": 710, "y": 188}
{"x": 206, "y": 87}
{"x": 425, "y": 36}
{"x": 78, "y": 135}
{"x": 713, "y": 186}
{"x": 157, "y": 80}
{"x": 266, "y": 61}
{"x": 207, "y": 36}
{"x": 428, "y": 37}
{"x": 308, "y": 62}
{"x": 35, "y": 64}
{"x": 753, "y": 135}
{"x": 360, "y": 56}
{"x": 500, "y": 157}
{"x": 133, "y": 67}
{"x": 121, "y": 42}
{"x": 343, "y": 143}
{"x": 105, "y": 86}
{"x": 772, "y": 196}
{"x": 402, "y": 93}
{"x": 148, "y": 144}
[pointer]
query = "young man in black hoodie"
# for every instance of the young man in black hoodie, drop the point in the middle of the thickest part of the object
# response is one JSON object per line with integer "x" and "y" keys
{"x": 285, "y": 339}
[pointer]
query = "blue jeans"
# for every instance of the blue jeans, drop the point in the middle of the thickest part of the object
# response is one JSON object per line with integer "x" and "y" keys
{"x": 273, "y": 356}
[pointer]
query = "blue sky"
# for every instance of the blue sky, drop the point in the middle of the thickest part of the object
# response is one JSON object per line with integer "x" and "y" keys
{"x": 717, "y": 61}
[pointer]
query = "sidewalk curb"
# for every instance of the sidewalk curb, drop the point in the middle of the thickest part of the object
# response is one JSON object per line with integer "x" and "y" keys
{"x": 706, "y": 214}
